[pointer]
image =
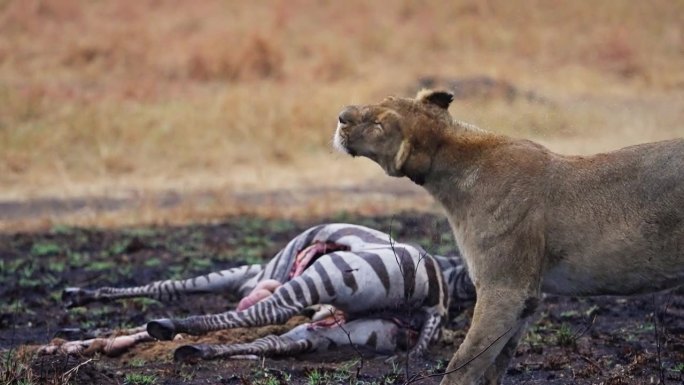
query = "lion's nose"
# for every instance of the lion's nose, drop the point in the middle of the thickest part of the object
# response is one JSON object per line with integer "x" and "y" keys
{"x": 346, "y": 116}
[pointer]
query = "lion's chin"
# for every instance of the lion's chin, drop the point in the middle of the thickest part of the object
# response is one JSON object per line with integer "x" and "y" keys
{"x": 339, "y": 143}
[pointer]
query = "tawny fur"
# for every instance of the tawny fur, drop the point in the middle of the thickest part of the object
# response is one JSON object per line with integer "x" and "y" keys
{"x": 528, "y": 220}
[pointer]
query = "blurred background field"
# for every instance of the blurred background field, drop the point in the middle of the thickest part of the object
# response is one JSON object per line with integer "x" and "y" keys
{"x": 174, "y": 111}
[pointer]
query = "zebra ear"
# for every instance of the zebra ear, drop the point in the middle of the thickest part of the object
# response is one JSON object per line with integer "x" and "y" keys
{"x": 441, "y": 99}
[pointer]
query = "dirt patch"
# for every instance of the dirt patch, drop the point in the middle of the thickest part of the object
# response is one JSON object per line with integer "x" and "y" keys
{"x": 611, "y": 340}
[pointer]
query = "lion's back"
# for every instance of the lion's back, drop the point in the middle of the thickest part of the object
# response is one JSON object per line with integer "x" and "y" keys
{"x": 621, "y": 215}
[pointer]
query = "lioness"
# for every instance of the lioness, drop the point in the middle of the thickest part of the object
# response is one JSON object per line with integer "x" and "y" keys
{"x": 526, "y": 219}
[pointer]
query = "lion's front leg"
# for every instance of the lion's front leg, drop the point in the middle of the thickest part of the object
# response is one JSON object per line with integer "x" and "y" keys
{"x": 495, "y": 372}
{"x": 498, "y": 321}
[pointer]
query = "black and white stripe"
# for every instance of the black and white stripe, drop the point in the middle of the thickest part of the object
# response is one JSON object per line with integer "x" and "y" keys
{"x": 461, "y": 288}
{"x": 397, "y": 278}
{"x": 224, "y": 281}
{"x": 373, "y": 274}
{"x": 376, "y": 334}
{"x": 240, "y": 280}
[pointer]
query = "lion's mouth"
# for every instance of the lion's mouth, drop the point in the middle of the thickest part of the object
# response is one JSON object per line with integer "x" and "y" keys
{"x": 340, "y": 142}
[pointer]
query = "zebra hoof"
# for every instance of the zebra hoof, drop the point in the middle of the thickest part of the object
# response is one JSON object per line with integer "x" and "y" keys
{"x": 161, "y": 329}
{"x": 188, "y": 353}
{"x": 74, "y": 296}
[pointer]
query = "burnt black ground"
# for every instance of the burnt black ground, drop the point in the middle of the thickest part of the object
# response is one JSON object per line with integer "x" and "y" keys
{"x": 610, "y": 340}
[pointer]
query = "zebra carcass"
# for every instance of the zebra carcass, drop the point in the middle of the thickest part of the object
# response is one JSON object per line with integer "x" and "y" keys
{"x": 373, "y": 281}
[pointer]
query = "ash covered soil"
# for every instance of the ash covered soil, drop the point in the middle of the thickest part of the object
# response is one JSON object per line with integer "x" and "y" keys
{"x": 599, "y": 340}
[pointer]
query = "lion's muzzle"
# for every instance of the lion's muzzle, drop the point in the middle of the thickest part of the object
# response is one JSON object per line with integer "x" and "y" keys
{"x": 348, "y": 115}
{"x": 346, "y": 118}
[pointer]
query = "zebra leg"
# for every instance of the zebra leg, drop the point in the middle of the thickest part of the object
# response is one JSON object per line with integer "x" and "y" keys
{"x": 276, "y": 309}
{"x": 240, "y": 280}
{"x": 377, "y": 335}
{"x": 266, "y": 346}
{"x": 430, "y": 331}
{"x": 230, "y": 280}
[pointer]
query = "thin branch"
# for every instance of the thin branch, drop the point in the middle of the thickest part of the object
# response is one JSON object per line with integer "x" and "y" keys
{"x": 356, "y": 349}
{"x": 592, "y": 362}
{"x": 657, "y": 338}
{"x": 407, "y": 367}
{"x": 579, "y": 334}
{"x": 394, "y": 251}
{"x": 424, "y": 376}
{"x": 66, "y": 377}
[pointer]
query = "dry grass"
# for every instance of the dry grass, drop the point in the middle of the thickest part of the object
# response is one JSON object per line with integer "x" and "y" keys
{"x": 108, "y": 97}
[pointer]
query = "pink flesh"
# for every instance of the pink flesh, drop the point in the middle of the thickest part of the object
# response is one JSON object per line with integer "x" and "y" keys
{"x": 107, "y": 346}
{"x": 119, "y": 344}
{"x": 47, "y": 349}
{"x": 336, "y": 319}
{"x": 304, "y": 258}
{"x": 268, "y": 284}
{"x": 261, "y": 291}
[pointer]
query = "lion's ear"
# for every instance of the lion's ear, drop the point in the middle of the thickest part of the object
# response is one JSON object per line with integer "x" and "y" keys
{"x": 441, "y": 99}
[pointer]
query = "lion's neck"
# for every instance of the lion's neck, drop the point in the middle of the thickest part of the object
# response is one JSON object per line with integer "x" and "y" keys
{"x": 448, "y": 166}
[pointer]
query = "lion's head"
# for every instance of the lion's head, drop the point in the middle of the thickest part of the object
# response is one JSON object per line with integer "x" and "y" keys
{"x": 389, "y": 132}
